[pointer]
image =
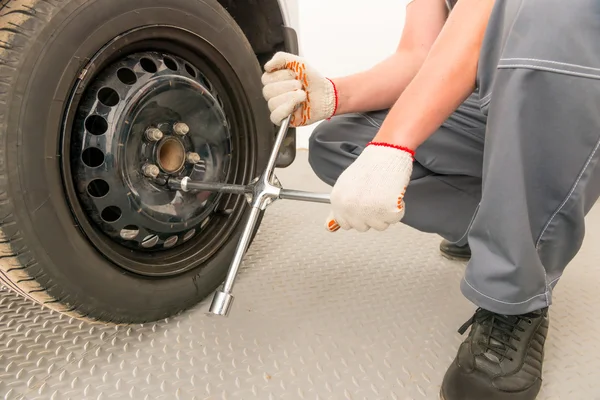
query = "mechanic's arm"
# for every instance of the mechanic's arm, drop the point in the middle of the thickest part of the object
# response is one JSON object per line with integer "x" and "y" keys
{"x": 293, "y": 86}
{"x": 370, "y": 192}
{"x": 445, "y": 80}
{"x": 380, "y": 86}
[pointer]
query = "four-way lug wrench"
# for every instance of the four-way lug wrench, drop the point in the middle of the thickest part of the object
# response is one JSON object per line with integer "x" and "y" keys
{"x": 260, "y": 194}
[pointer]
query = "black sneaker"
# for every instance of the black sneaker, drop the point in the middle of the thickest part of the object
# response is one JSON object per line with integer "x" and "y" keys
{"x": 454, "y": 252}
{"x": 501, "y": 359}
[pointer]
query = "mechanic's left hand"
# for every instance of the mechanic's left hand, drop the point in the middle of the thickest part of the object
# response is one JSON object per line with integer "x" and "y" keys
{"x": 370, "y": 192}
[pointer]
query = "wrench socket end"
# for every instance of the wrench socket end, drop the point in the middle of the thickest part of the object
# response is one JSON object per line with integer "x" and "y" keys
{"x": 263, "y": 191}
{"x": 221, "y": 303}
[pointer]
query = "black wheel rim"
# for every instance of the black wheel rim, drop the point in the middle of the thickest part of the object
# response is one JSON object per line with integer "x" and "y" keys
{"x": 158, "y": 102}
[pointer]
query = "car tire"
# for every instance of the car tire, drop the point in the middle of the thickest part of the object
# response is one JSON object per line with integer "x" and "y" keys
{"x": 51, "y": 249}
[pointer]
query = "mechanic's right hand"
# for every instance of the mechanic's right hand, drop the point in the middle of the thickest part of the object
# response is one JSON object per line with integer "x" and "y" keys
{"x": 291, "y": 87}
{"x": 369, "y": 194}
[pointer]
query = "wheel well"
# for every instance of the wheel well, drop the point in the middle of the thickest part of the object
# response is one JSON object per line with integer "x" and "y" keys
{"x": 262, "y": 23}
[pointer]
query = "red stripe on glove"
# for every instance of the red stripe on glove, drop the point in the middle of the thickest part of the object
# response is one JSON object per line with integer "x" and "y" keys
{"x": 393, "y": 146}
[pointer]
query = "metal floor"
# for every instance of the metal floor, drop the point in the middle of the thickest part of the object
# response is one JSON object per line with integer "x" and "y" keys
{"x": 316, "y": 316}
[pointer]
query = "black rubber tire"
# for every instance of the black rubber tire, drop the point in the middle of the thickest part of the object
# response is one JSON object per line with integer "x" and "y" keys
{"x": 44, "y": 255}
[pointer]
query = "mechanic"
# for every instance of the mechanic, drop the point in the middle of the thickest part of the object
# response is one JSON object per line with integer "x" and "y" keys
{"x": 487, "y": 114}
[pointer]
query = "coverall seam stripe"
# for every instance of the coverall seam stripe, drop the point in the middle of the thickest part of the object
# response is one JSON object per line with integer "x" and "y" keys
{"x": 485, "y": 99}
{"x": 506, "y": 302}
{"x": 370, "y": 120}
{"x": 569, "y": 195}
{"x": 486, "y": 102}
{"x": 470, "y": 225}
{"x": 545, "y": 294}
{"x": 555, "y": 279}
{"x": 549, "y": 69}
{"x": 549, "y": 62}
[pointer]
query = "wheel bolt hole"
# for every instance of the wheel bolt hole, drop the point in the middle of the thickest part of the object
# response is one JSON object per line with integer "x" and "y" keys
{"x": 190, "y": 70}
{"x": 148, "y": 65}
{"x": 126, "y": 76}
{"x": 205, "y": 83}
{"x": 96, "y": 125}
{"x": 108, "y": 96}
{"x": 170, "y": 63}
{"x": 170, "y": 242}
{"x": 150, "y": 241}
{"x": 111, "y": 214}
{"x": 189, "y": 235}
{"x": 98, "y": 188}
{"x": 130, "y": 232}
{"x": 92, "y": 157}
{"x": 220, "y": 101}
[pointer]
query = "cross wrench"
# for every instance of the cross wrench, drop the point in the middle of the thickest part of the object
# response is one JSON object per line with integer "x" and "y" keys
{"x": 260, "y": 193}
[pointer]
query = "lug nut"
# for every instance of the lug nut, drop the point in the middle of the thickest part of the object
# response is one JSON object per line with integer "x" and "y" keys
{"x": 181, "y": 128}
{"x": 154, "y": 134}
{"x": 150, "y": 170}
{"x": 193, "y": 158}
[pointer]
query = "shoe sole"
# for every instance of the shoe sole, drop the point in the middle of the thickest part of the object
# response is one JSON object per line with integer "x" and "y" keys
{"x": 535, "y": 393}
{"x": 452, "y": 257}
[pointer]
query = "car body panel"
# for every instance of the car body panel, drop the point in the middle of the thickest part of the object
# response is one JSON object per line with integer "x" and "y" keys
{"x": 290, "y": 13}
{"x": 291, "y": 21}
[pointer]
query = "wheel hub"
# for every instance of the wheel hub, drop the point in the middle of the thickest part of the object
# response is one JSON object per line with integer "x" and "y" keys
{"x": 170, "y": 155}
{"x": 149, "y": 115}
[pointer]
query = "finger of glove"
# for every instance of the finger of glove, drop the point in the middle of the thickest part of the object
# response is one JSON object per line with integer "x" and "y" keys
{"x": 278, "y": 76}
{"x": 360, "y": 226}
{"x": 353, "y": 220}
{"x": 279, "y": 61}
{"x": 284, "y": 105}
{"x": 288, "y": 100}
{"x": 334, "y": 223}
{"x": 396, "y": 216}
{"x": 379, "y": 225}
{"x": 275, "y": 89}
{"x": 331, "y": 224}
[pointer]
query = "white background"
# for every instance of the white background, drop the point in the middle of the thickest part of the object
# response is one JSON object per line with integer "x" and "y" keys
{"x": 342, "y": 37}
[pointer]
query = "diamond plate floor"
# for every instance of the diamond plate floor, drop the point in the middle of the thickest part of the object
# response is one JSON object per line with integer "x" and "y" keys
{"x": 317, "y": 316}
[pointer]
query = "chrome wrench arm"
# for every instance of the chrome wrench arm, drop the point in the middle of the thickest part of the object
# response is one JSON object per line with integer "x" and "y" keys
{"x": 260, "y": 193}
{"x": 300, "y": 195}
{"x": 263, "y": 191}
{"x": 186, "y": 184}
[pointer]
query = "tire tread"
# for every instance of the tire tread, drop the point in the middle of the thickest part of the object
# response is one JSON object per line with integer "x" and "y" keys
{"x": 20, "y": 22}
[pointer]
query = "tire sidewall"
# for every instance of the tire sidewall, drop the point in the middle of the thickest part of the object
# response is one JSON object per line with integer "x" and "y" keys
{"x": 67, "y": 265}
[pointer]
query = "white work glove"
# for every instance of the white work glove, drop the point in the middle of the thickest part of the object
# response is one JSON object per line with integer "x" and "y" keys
{"x": 292, "y": 87}
{"x": 370, "y": 192}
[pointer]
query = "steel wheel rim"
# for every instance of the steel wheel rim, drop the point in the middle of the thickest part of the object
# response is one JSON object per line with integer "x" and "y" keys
{"x": 173, "y": 253}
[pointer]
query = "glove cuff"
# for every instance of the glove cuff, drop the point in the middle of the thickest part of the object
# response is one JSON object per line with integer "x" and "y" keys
{"x": 393, "y": 146}
{"x": 336, "y": 98}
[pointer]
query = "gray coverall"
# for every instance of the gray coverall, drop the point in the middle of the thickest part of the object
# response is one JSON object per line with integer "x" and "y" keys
{"x": 515, "y": 169}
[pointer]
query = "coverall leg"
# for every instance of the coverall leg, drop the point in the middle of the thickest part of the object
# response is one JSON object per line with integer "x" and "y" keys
{"x": 515, "y": 169}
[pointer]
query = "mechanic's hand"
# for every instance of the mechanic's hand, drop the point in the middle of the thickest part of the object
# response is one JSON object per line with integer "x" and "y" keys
{"x": 292, "y": 87}
{"x": 370, "y": 192}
